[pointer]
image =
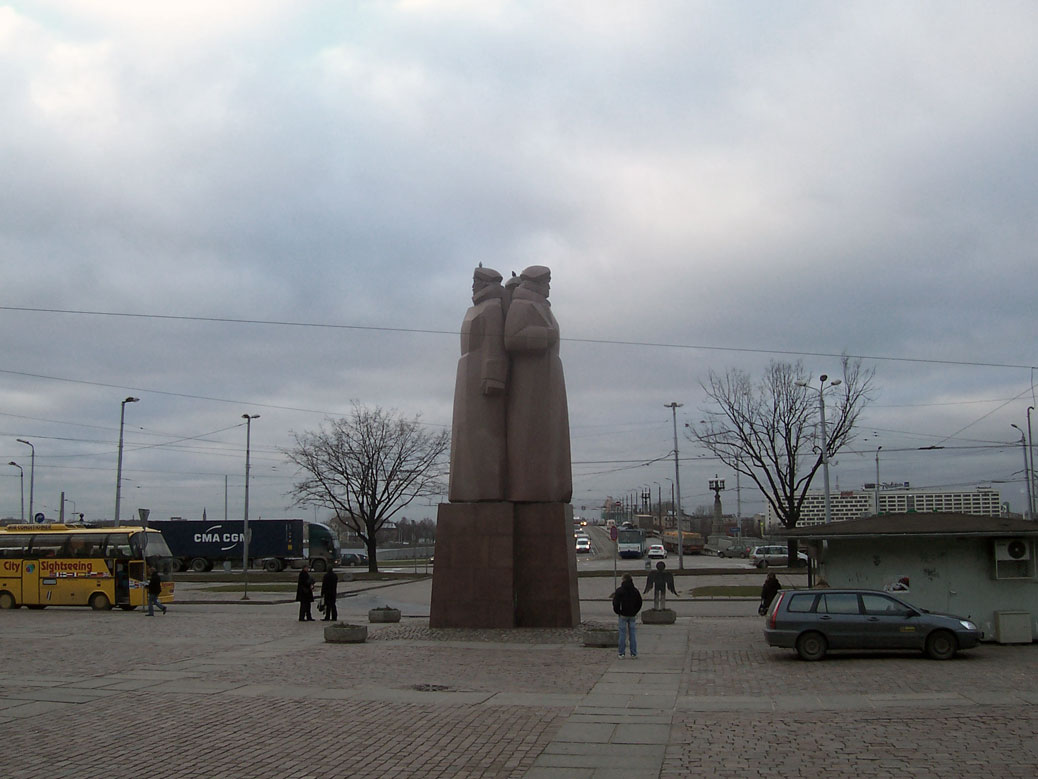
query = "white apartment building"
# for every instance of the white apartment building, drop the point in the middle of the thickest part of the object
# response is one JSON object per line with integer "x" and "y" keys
{"x": 980, "y": 501}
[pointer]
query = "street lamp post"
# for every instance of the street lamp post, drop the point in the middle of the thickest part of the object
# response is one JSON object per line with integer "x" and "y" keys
{"x": 21, "y": 480}
{"x": 825, "y": 443}
{"x": 1030, "y": 451}
{"x": 877, "y": 480}
{"x": 1027, "y": 470}
{"x": 674, "y": 406}
{"x": 119, "y": 465}
{"x": 659, "y": 506}
{"x": 32, "y": 477}
{"x": 245, "y": 525}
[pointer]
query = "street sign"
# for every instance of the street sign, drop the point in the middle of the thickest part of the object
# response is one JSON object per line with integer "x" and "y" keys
{"x": 39, "y": 517}
{"x": 143, "y": 514}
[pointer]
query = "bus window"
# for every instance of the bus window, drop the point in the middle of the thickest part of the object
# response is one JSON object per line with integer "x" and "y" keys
{"x": 117, "y": 545}
{"x": 47, "y": 545}
{"x": 12, "y": 547}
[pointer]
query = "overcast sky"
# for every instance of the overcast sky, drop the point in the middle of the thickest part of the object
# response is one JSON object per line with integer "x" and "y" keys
{"x": 275, "y": 208}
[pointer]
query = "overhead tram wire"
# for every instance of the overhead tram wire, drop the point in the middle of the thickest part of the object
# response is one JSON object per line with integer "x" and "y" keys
{"x": 424, "y": 331}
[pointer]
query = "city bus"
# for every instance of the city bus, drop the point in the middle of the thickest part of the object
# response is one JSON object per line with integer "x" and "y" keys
{"x": 72, "y": 565}
{"x": 630, "y": 542}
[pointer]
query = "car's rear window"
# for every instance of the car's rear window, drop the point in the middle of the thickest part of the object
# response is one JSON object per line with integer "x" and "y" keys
{"x": 802, "y": 603}
{"x": 838, "y": 603}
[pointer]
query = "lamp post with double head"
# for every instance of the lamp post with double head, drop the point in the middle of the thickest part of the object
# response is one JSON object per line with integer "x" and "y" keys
{"x": 245, "y": 524}
{"x": 21, "y": 480}
{"x": 1027, "y": 470}
{"x": 825, "y": 442}
{"x": 674, "y": 406}
{"x": 32, "y": 477}
{"x": 119, "y": 465}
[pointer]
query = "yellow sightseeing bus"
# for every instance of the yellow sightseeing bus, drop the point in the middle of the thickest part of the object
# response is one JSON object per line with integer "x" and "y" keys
{"x": 73, "y": 565}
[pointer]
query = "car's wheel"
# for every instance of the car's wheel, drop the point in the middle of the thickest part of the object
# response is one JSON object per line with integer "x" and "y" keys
{"x": 811, "y": 646}
{"x": 99, "y": 602}
{"x": 199, "y": 565}
{"x": 720, "y": 553}
{"x": 7, "y": 601}
{"x": 941, "y": 645}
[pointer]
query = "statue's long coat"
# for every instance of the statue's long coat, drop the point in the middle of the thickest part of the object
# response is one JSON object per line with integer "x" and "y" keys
{"x": 478, "y": 463}
{"x": 539, "y": 468}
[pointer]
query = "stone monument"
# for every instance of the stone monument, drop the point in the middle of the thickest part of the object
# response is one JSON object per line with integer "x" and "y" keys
{"x": 504, "y": 548}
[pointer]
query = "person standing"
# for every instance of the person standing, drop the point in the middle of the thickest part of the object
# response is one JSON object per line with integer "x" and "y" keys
{"x": 767, "y": 592}
{"x": 627, "y": 602}
{"x": 329, "y": 593}
{"x": 305, "y": 594}
{"x": 154, "y": 590}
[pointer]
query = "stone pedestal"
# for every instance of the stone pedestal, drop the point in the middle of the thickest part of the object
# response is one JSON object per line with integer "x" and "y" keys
{"x": 473, "y": 578}
{"x": 504, "y": 565}
{"x": 343, "y": 633}
{"x": 384, "y": 614}
{"x": 545, "y": 567}
{"x": 658, "y": 616}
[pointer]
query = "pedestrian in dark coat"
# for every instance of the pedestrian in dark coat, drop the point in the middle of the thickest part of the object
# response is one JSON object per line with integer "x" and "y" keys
{"x": 329, "y": 593}
{"x": 767, "y": 593}
{"x": 627, "y": 602}
{"x": 305, "y": 594}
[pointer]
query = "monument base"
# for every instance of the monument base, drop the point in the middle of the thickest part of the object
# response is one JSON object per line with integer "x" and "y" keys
{"x": 504, "y": 565}
{"x": 659, "y": 616}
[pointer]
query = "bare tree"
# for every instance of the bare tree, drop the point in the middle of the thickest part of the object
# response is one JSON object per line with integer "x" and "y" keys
{"x": 368, "y": 466}
{"x": 769, "y": 431}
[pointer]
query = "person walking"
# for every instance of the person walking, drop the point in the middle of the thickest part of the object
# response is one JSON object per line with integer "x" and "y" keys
{"x": 627, "y": 602}
{"x": 305, "y": 594}
{"x": 767, "y": 592}
{"x": 154, "y": 590}
{"x": 329, "y": 593}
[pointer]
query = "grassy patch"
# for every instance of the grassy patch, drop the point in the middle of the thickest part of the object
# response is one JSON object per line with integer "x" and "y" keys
{"x": 264, "y": 587}
{"x": 730, "y": 591}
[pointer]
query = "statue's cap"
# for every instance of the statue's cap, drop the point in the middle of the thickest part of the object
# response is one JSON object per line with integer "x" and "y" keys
{"x": 486, "y": 274}
{"x": 537, "y": 273}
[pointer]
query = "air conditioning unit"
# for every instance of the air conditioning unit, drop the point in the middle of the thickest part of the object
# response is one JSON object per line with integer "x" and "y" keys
{"x": 1012, "y": 549}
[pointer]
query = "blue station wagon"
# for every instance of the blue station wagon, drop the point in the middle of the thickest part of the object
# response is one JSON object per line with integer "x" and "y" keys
{"x": 815, "y": 621}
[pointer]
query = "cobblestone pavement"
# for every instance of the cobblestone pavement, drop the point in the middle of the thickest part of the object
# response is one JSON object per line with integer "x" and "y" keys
{"x": 219, "y": 688}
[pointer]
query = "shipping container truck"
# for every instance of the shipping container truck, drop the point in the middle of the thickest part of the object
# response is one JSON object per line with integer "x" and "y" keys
{"x": 274, "y": 544}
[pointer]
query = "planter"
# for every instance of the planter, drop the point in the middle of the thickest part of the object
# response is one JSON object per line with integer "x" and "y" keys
{"x": 602, "y": 637}
{"x": 342, "y": 633}
{"x": 384, "y": 614}
{"x": 659, "y": 616}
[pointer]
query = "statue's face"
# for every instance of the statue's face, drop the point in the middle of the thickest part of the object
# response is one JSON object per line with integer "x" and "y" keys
{"x": 478, "y": 285}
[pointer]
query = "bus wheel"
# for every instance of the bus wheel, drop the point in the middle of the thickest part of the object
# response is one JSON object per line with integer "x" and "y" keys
{"x": 272, "y": 565}
{"x": 199, "y": 565}
{"x": 319, "y": 565}
{"x": 99, "y": 602}
{"x": 7, "y": 601}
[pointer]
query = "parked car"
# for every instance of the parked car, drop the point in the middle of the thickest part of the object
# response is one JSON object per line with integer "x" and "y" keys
{"x": 353, "y": 558}
{"x": 816, "y": 621}
{"x": 763, "y": 556}
{"x": 657, "y": 551}
{"x": 735, "y": 550}
{"x": 583, "y": 545}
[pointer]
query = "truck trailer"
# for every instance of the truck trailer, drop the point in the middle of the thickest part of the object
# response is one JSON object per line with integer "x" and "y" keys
{"x": 274, "y": 544}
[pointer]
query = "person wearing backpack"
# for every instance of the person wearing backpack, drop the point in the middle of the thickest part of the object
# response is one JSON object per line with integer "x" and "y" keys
{"x": 627, "y": 602}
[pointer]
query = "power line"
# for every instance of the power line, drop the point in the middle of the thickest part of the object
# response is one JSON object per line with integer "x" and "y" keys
{"x": 425, "y": 331}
